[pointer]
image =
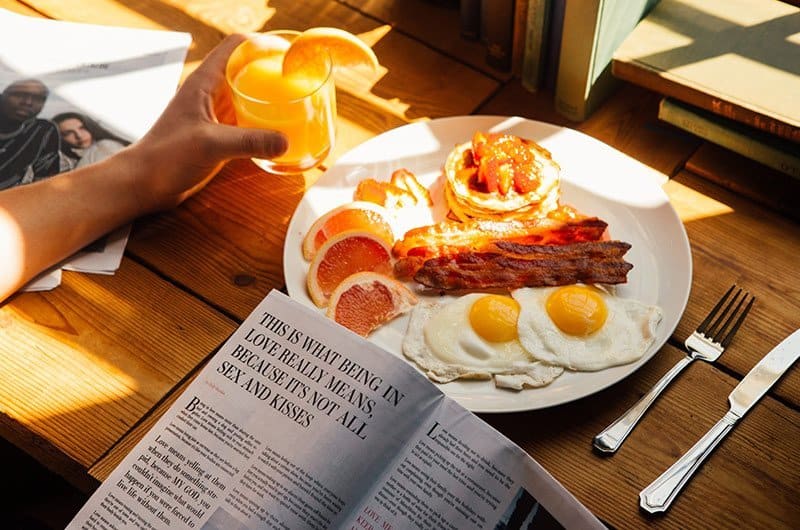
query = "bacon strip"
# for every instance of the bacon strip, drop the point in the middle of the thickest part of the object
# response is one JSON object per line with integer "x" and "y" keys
{"x": 514, "y": 266}
{"x": 452, "y": 237}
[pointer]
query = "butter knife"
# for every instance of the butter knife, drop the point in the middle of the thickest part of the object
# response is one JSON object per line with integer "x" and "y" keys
{"x": 658, "y": 496}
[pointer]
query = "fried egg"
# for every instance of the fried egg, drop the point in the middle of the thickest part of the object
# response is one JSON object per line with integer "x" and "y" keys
{"x": 584, "y": 328}
{"x": 473, "y": 337}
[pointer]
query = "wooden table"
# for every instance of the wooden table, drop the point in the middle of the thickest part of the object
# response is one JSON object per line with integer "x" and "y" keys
{"x": 87, "y": 367}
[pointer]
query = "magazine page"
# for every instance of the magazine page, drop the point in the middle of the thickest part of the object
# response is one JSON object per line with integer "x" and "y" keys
{"x": 459, "y": 472}
{"x": 73, "y": 104}
{"x": 287, "y": 426}
{"x": 297, "y": 422}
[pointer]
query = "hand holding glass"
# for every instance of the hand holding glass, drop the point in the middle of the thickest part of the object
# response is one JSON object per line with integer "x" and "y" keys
{"x": 301, "y": 103}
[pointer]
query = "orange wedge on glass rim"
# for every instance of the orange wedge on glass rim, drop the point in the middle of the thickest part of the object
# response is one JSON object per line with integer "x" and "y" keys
{"x": 344, "y": 254}
{"x": 307, "y": 54}
{"x": 364, "y": 301}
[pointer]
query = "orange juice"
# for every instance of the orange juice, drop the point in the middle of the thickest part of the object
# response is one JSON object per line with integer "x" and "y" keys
{"x": 301, "y": 105}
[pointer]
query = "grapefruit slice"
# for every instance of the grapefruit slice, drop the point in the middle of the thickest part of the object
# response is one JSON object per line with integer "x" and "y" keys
{"x": 364, "y": 301}
{"x": 346, "y": 50}
{"x": 344, "y": 254}
{"x": 358, "y": 215}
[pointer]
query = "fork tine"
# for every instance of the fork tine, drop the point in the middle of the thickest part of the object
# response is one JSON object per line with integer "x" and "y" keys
{"x": 735, "y": 328}
{"x": 711, "y": 314}
{"x": 714, "y": 330}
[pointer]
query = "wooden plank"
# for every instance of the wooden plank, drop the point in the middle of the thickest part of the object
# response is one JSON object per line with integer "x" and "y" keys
{"x": 627, "y": 121}
{"x": 775, "y": 190}
{"x": 83, "y": 363}
{"x": 105, "y": 465}
{"x": 750, "y": 480}
{"x": 434, "y": 24}
{"x": 737, "y": 241}
{"x": 225, "y": 244}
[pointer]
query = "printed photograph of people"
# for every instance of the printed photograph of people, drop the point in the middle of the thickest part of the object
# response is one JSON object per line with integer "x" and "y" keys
{"x": 29, "y": 145}
{"x": 41, "y": 134}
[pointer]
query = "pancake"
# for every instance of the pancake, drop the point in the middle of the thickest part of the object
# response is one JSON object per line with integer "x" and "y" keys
{"x": 469, "y": 198}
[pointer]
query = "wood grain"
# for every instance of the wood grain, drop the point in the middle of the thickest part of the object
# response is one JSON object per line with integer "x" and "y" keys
{"x": 737, "y": 241}
{"x": 83, "y": 363}
{"x": 772, "y": 189}
{"x": 435, "y": 25}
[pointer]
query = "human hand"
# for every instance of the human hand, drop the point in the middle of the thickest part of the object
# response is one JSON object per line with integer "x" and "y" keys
{"x": 194, "y": 137}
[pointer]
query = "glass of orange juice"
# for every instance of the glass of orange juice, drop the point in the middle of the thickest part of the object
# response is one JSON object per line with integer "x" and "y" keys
{"x": 300, "y": 103}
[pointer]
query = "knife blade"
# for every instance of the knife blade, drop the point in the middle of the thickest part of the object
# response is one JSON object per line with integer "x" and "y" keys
{"x": 765, "y": 374}
{"x": 658, "y": 496}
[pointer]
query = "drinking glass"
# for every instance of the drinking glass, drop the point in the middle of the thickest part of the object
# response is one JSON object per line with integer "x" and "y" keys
{"x": 300, "y": 104}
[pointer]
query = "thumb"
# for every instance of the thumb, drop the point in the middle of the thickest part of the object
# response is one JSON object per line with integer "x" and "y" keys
{"x": 239, "y": 142}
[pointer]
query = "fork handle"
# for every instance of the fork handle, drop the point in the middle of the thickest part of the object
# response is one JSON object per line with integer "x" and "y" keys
{"x": 611, "y": 438}
{"x": 658, "y": 496}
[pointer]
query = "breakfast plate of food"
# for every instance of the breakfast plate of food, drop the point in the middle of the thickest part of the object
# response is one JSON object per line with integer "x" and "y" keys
{"x": 517, "y": 264}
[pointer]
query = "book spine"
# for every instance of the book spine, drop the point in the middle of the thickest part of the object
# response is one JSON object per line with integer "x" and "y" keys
{"x": 519, "y": 34}
{"x": 555, "y": 27}
{"x": 715, "y": 129}
{"x": 640, "y": 74}
{"x": 470, "y": 11}
{"x": 533, "y": 61}
{"x": 578, "y": 41}
{"x": 499, "y": 24}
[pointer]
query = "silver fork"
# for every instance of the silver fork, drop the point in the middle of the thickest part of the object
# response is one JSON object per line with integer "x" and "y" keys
{"x": 707, "y": 343}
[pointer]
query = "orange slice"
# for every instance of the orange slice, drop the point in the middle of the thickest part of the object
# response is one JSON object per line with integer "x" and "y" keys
{"x": 344, "y": 254}
{"x": 358, "y": 215}
{"x": 366, "y": 300}
{"x": 310, "y": 48}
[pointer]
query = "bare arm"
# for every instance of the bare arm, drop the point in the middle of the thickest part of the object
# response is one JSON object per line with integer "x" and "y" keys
{"x": 45, "y": 222}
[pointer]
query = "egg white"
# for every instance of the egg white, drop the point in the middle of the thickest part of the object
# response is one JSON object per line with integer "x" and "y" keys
{"x": 441, "y": 341}
{"x": 627, "y": 334}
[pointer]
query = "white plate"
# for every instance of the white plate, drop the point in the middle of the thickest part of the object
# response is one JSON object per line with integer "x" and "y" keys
{"x": 597, "y": 179}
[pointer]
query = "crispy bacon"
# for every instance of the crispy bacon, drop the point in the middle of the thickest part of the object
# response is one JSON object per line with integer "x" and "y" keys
{"x": 451, "y": 237}
{"x": 513, "y": 265}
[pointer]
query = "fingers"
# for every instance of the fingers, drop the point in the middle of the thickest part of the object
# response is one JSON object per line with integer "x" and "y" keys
{"x": 216, "y": 58}
{"x": 211, "y": 72}
{"x": 238, "y": 142}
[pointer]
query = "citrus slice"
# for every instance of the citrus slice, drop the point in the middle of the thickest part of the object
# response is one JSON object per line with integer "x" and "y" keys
{"x": 364, "y": 301}
{"x": 358, "y": 215}
{"x": 310, "y": 48}
{"x": 344, "y": 254}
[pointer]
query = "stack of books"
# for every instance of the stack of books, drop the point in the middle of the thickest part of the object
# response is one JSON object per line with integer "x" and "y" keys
{"x": 729, "y": 71}
{"x": 554, "y": 45}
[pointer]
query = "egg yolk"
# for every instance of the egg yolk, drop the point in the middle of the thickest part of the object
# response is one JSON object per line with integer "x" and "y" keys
{"x": 494, "y": 318}
{"x": 577, "y": 310}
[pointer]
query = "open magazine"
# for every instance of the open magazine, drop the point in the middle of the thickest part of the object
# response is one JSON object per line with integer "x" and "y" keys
{"x": 87, "y": 94}
{"x": 297, "y": 422}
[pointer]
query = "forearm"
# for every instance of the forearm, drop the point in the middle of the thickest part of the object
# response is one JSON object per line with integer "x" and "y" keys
{"x": 43, "y": 223}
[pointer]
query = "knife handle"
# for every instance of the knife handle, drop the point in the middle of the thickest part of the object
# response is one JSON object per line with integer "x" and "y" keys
{"x": 611, "y": 438}
{"x": 658, "y": 496}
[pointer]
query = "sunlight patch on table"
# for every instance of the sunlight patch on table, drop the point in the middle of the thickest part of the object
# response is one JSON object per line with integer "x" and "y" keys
{"x": 70, "y": 378}
{"x": 692, "y": 205}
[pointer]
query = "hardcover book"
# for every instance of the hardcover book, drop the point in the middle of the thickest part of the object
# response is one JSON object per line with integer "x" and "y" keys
{"x": 773, "y": 151}
{"x": 736, "y": 58}
{"x": 592, "y": 31}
